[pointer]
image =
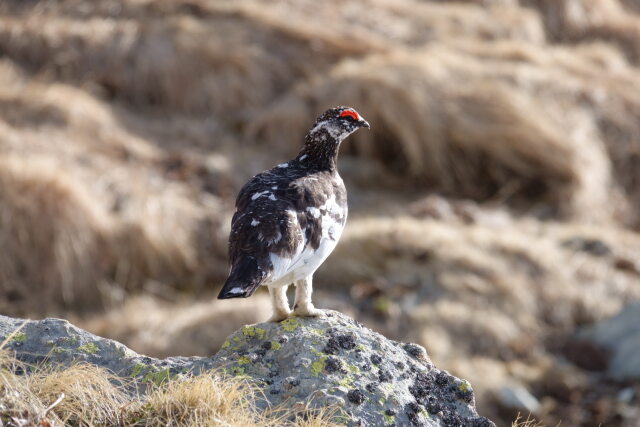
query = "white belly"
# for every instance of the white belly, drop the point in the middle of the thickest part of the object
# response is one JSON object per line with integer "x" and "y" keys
{"x": 306, "y": 260}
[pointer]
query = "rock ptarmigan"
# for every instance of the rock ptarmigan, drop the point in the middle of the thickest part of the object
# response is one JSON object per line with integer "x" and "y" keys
{"x": 288, "y": 219}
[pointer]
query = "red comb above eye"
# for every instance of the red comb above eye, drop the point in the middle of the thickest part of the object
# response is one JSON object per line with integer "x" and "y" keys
{"x": 350, "y": 113}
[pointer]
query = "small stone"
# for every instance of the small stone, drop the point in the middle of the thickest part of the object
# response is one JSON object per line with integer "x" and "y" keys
{"x": 356, "y": 396}
{"x": 418, "y": 352}
{"x": 518, "y": 397}
{"x": 391, "y": 412}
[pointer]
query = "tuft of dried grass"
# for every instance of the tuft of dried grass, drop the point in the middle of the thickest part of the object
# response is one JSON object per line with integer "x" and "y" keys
{"x": 83, "y": 394}
{"x": 91, "y": 395}
{"x": 528, "y": 422}
{"x": 52, "y": 236}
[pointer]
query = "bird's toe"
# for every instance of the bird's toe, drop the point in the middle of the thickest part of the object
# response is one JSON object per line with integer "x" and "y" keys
{"x": 308, "y": 311}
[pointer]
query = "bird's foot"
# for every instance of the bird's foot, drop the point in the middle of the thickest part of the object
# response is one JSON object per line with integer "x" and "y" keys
{"x": 279, "y": 316}
{"x": 308, "y": 311}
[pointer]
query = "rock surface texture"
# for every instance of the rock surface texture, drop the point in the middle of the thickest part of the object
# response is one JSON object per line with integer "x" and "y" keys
{"x": 316, "y": 361}
{"x": 621, "y": 336}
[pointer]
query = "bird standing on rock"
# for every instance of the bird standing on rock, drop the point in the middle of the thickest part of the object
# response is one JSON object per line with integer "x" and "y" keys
{"x": 289, "y": 219}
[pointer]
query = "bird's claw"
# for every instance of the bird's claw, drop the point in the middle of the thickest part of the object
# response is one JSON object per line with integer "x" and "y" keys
{"x": 308, "y": 311}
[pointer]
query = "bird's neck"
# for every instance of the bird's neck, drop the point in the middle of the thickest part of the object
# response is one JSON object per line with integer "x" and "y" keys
{"x": 320, "y": 150}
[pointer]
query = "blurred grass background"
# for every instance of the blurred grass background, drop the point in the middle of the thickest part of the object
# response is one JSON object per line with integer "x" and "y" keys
{"x": 493, "y": 206}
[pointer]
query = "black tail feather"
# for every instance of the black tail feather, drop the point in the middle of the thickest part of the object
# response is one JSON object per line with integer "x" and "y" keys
{"x": 244, "y": 279}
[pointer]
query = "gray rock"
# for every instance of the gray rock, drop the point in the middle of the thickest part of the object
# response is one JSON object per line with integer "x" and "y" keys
{"x": 518, "y": 397}
{"x": 621, "y": 336}
{"x": 329, "y": 361}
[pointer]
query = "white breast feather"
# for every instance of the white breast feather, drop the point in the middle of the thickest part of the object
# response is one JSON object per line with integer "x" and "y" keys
{"x": 306, "y": 260}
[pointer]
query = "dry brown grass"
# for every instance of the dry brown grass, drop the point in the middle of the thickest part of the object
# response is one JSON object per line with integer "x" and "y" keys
{"x": 466, "y": 99}
{"x": 48, "y": 247}
{"x": 528, "y": 422}
{"x": 82, "y": 215}
{"x": 88, "y": 395}
{"x": 498, "y": 122}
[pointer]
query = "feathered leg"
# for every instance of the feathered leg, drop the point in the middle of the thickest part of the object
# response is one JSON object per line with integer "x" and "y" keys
{"x": 280, "y": 304}
{"x": 303, "y": 306}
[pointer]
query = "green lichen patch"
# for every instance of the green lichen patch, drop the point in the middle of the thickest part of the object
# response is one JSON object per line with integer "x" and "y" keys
{"x": 388, "y": 419}
{"x": 158, "y": 377}
{"x": 238, "y": 371}
{"x": 347, "y": 381}
{"x": 59, "y": 350}
{"x": 275, "y": 345}
{"x": 68, "y": 340}
{"x": 226, "y": 344}
{"x": 19, "y": 337}
{"x": 253, "y": 331}
{"x": 137, "y": 369}
{"x": 465, "y": 386}
{"x": 318, "y": 366}
{"x": 290, "y": 324}
{"x": 353, "y": 369}
{"x": 88, "y": 348}
{"x": 316, "y": 352}
{"x": 243, "y": 360}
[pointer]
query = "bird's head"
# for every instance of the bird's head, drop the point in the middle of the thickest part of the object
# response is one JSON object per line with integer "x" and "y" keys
{"x": 339, "y": 122}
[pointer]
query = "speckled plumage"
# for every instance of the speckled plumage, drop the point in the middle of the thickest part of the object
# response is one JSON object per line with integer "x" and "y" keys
{"x": 288, "y": 219}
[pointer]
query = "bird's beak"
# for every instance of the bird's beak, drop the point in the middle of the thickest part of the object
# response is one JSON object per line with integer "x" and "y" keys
{"x": 363, "y": 123}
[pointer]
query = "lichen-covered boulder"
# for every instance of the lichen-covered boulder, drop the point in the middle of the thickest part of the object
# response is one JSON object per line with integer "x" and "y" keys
{"x": 335, "y": 361}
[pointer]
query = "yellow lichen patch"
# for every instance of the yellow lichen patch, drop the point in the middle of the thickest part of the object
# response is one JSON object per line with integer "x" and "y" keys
{"x": 316, "y": 352}
{"x": 347, "y": 381}
{"x": 19, "y": 337}
{"x": 226, "y": 344}
{"x": 137, "y": 369}
{"x": 158, "y": 377}
{"x": 275, "y": 345}
{"x": 465, "y": 386}
{"x": 89, "y": 348}
{"x": 253, "y": 331}
{"x": 388, "y": 419}
{"x": 318, "y": 366}
{"x": 238, "y": 371}
{"x": 290, "y": 324}
{"x": 353, "y": 369}
{"x": 243, "y": 360}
